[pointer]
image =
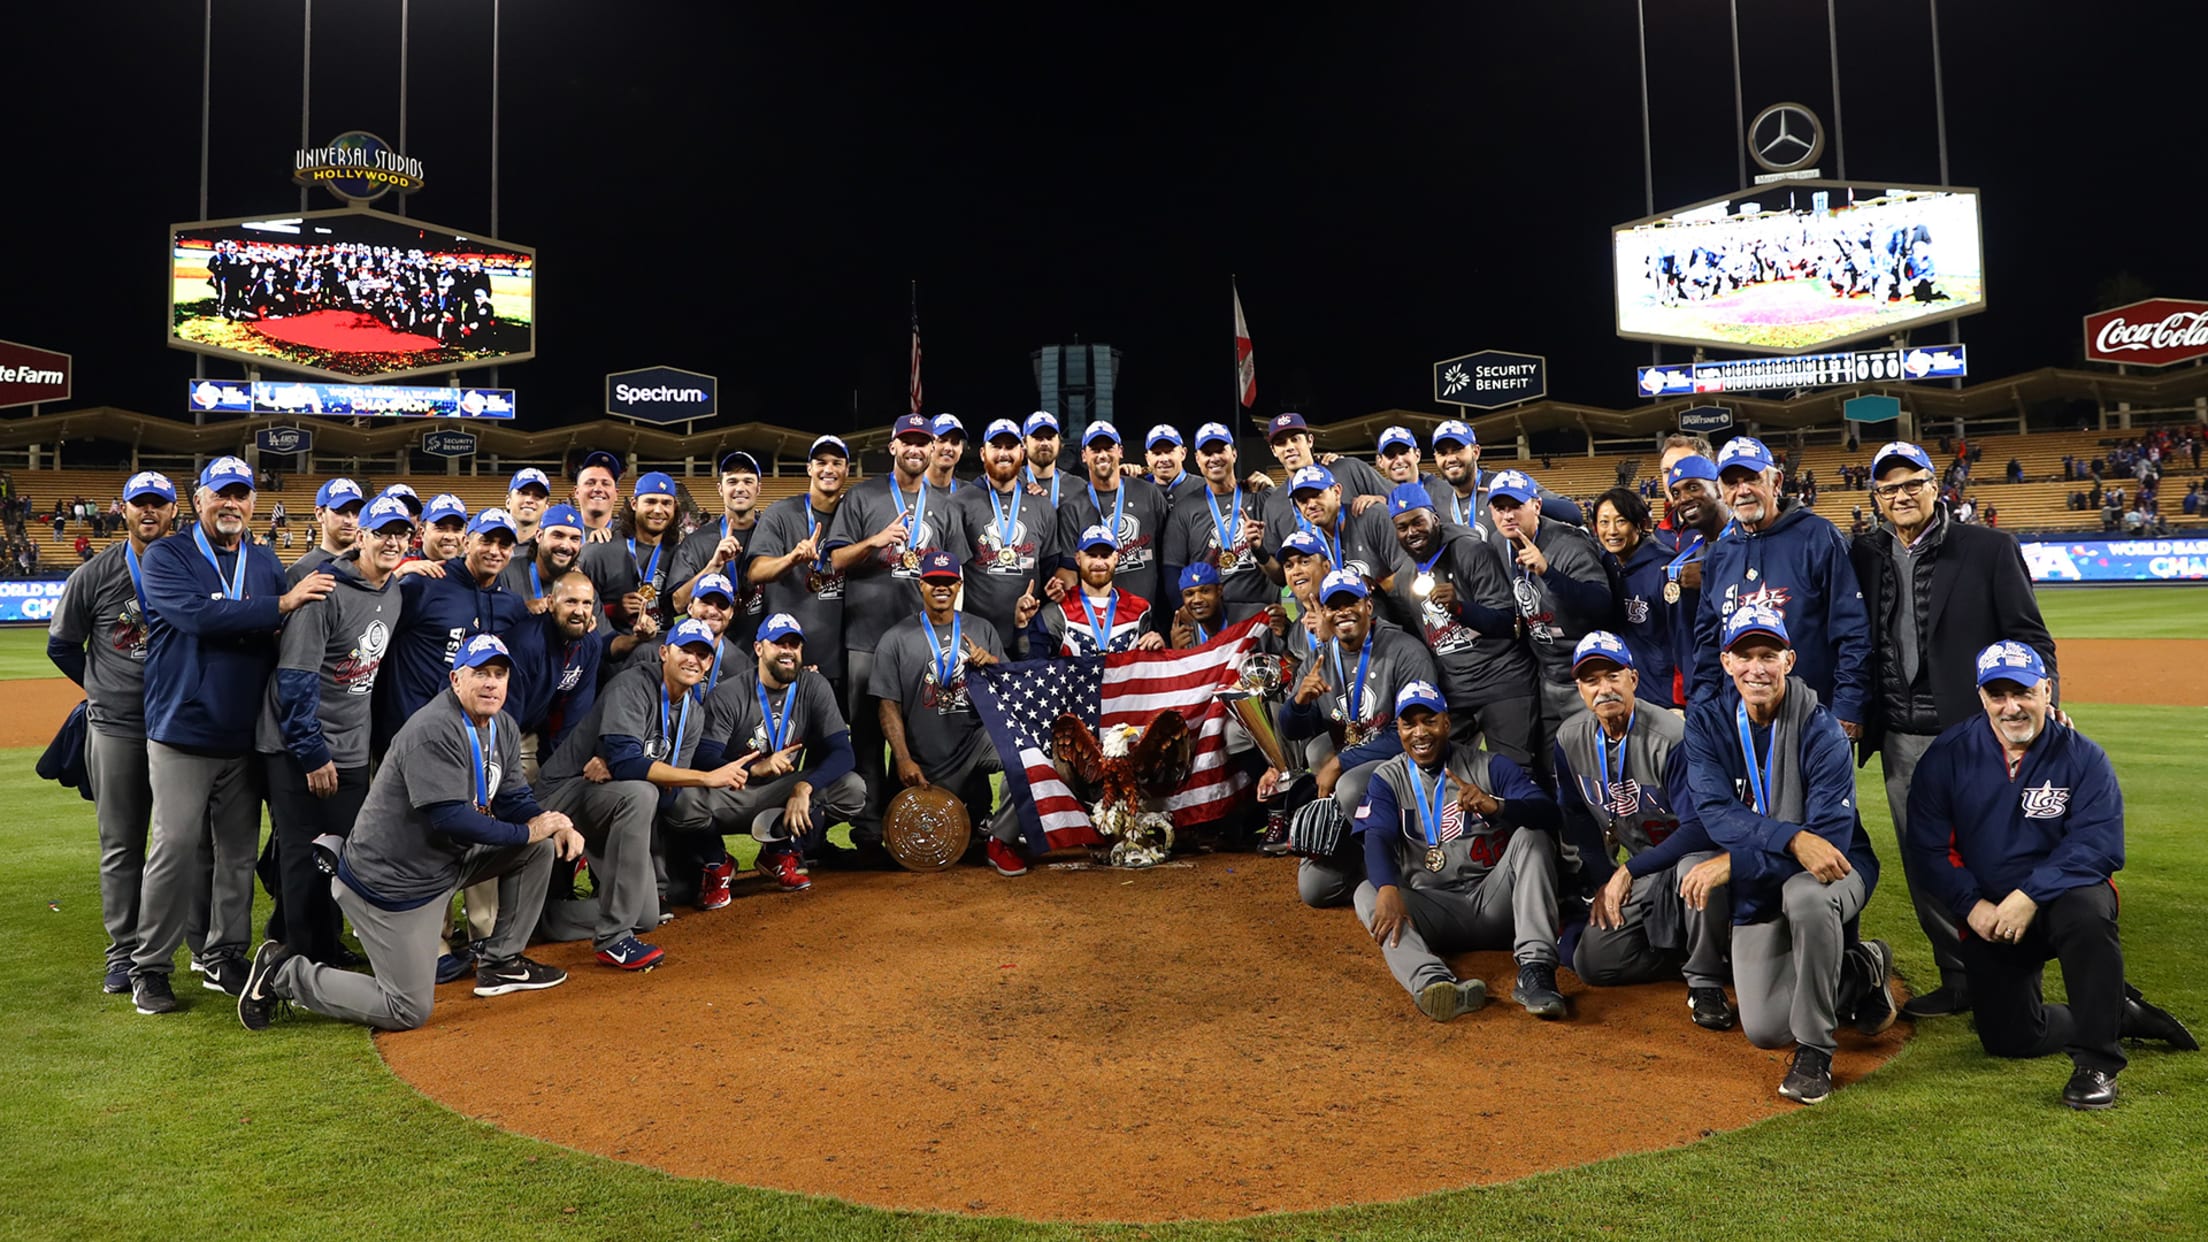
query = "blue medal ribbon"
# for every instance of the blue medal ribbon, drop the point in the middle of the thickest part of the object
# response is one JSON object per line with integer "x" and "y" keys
{"x": 1759, "y": 778}
{"x": 137, "y": 580}
{"x": 1354, "y": 703}
{"x": 1101, "y": 629}
{"x": 1671, "y": 571}
{"x": 1602, "y": 749}
{"x": 1202, "y": 635}
{"x": 483, "y": 790}
{"x": 1055, "y": 475}
{"x": 1119, "y": 507}
{"x": 682, "y": 723}
{"x": 821, "y": 563}
{"x": 713, "y": 678}
{"x": 1006, "y": 518}
{"x": 645, "y": 573}
{"x": 1429, "y": 812}
{"x": 776, "y": 732}
{"x": 536, "y": 580}
{"x": 1219, "y": 523}
{"x": 235, "y": 587}
{"x": 915, "y": 514}
{"x": 946, "y": 662}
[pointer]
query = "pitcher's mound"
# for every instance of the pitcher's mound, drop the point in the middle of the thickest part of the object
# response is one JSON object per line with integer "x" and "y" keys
{"x": 1078, "y": 1045}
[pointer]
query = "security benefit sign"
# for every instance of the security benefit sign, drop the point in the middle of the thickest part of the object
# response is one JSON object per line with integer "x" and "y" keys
{"x": 662, "y": 395}
{"x": 445, "y": 442}
{"x": 1491, "y": 379}
{"x": 29, "y": 375}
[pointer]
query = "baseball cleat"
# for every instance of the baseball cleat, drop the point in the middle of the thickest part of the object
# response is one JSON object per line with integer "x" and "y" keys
{"x": 784, "y": 869}
{"x": 258, "y": 1003}
{"x": 629, "y": 953}
{"x": 2090, "y": 1089}
{"x": 1712, "y": 1012}
{"x": 1445, "y": 999}
{"x": 714, "y": 885}
{"x": 516, "y": 974}
{"x": 1005, "y": 859}
{"x": 1943, "y": 1001}
{"x": 1809, "y": 1079}
{"x": 2143, "y": 1020}
{"x": 1876, "y": 1011}
{"x": 151, "y": 994}
{"x": 1274, "y": 844}
{"x": 1536, "y": 990}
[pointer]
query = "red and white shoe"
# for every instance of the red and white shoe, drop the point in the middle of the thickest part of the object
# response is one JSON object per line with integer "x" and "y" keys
{"x": 786, "y": 872}
{"x": 1005, "y": 859}
{"x": 713, "y": 888}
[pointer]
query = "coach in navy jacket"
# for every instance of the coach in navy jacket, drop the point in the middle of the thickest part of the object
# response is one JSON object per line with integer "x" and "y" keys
{"x": 464, "y": 597}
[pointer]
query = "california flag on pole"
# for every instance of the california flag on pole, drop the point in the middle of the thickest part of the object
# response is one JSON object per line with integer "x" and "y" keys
{"x": 1245, "y": 358}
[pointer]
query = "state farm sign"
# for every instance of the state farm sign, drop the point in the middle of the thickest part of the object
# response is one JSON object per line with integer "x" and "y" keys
{"x": 29, "y": 375}
{"x": 2153, "y": 333}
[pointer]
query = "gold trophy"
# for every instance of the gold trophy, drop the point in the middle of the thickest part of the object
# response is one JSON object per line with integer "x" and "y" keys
{"x": 1249, "y": 702}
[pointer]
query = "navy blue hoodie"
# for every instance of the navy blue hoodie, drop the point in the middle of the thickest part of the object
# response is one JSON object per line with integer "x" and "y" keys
{"x": 437, "y": 615}
{"x": 1800, "y": 566}
{"x": 555, "y": 681}
{"x": 1642, "y": 619}
{"x": 208, "y": 658}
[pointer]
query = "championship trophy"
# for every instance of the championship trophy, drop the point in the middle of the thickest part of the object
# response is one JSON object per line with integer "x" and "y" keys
{"x": 1249, "y": 703}
{"x": 925, "y": 829}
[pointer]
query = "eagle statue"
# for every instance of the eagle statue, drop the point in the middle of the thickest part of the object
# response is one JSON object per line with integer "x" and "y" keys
{"x": 1123, "y": 776}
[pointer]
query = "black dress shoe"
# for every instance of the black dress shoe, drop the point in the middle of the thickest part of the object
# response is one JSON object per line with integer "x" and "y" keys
{"x": 2146, "y": 1021}
{"x": 1943, "y": 1001}
{"x": 2090, "y": 1089}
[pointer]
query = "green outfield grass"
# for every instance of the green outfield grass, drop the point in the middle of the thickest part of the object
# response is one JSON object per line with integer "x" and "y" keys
{"x": 125, "y": 1126}
{"x": 23, "y": 653}
{"x": 2126, "y": 612}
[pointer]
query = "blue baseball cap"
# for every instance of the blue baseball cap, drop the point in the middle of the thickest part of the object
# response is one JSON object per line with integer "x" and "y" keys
{"x": 1098, "y": 537}
{"x": 406, "y": 497}
{"x": 2009, "y": 660}
{"x": 335, "y": 494}
{"x": 691, "y": 632}
{"x": 911, "y": 425}
{"x": 480, "y": 650}
{"x": 1454, "y": 431}
{"x": 445, "y": 505}
{"x": 1398, "y": 436}
{"x": 735, "y": 461}
{"x": 714, "y": 584}
{"x": 1001, "y": 427}
{"x": 599, "y": 457}
{"x": 832, "y": 443}
{"x": 1311, "y": 479}
{"x": 1202, "y": 573}
{"x": 1303, "y": 543}
{"x": 1900, "y": 450}
{"x": 1511, "y": 485}
{"x": 1100, "y": 430}
{"x": 1746, "y": 452}
{"x": 1285, "y": 424}
{"x": 385, "y": 510}
{"x": 493, "y": 519}
{"x": 149, "y": 483}
{"x": 1213, "y": 433}
{"x": 223, "y": 472}
{"x": 1343, "y": 582}
{"x": 529, "y": 476}
{"x": 938, "y": 564}
{"x": 655, "y": 483}
{"x": 779, "y": 626}
{"x": 561, "y": 515}
{"x": 1692, "y": 466}
{"x": 1754, "y": 619}
{"x": 1420, "y": 694}
{"x": 1602, "y": 645}
{"x": 1163, "y": 433}
{"x": 946, "y": 424}
{"x": 1408, "y": 498}
{"x": 1040, "y": 421}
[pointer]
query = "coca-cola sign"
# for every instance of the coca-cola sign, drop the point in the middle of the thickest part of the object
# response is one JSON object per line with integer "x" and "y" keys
{"x": 2153, "y": 333}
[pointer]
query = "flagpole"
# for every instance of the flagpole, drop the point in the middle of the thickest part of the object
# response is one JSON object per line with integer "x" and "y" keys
{"x": 1234, "y": 350}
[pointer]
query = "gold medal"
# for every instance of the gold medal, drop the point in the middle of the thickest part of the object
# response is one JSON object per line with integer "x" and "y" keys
{"x": 1008, "y": 557}
{"x": 912, "y": 558}
{"x": 1422, "y": 586}
{"x": 1435, "y": 860}
{"x": 1671, "y": 592}
{"x": 648, "y": 593}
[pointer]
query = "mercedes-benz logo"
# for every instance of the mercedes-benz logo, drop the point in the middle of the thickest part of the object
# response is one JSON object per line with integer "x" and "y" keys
{"x": 1786, "y": 136}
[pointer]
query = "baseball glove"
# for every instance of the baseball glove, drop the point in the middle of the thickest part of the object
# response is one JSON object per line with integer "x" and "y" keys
{"x": 1315, "y": 831}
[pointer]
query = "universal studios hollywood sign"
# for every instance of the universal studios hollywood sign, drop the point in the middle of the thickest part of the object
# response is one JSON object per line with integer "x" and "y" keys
{"x": 357, "y": 167}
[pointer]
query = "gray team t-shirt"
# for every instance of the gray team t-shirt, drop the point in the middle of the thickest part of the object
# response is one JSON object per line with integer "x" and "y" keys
{"x": 942, "y": 730}
{"x": 811, "y": 593}
{"x": 1024, "y": 523}
{"x": 100, "y": 610}
{"x": 633, "y": 704}
{"x": 878, "y": 591}
{"x": 1140, "y": 529}
{"x": 342, "y": 638}
{"x": 1192, "y": 537}
{"x": 616, "y": 571}
{"x": 1477, "y": 667}
{"x": 695, "y": 552}
{"x": 1551, "y": 629}
{"x": 1366, "y": 541}
{"x": 392, "y": 849}
{"x": 733, "y": 716}
{"x": 316, "y": 557}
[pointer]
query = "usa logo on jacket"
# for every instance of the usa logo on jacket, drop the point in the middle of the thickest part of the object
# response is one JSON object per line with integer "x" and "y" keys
{"x": 2045, "y": 802}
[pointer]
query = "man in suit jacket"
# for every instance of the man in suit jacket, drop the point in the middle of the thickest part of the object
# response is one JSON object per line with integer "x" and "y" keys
{"x": 1938, "y": 592}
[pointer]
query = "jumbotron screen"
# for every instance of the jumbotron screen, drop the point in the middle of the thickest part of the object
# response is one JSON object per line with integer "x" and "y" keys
{"x": 350, "y": 295}
{"x": 1800, "y": 265}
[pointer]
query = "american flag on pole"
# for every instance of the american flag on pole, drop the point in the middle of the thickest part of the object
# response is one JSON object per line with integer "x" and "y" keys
{"x": 913, "y": 386}
{"x": 1245, "y": 356}
{"x": 1019, "y": 702}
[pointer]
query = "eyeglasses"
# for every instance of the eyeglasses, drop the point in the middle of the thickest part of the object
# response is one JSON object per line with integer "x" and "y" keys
{"x": 1888, "y": 491}
{"x": 392, "y": 536}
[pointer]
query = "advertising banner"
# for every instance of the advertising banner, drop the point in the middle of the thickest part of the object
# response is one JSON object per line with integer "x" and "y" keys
{"x": 1491, "y": 379}
{"x": 347, "y": 400}
{"x": 2118, "y": 560}
{"x": 29, "y": 375}
{"x": 2153, "y": 333}
{"x": 31, "y": 600}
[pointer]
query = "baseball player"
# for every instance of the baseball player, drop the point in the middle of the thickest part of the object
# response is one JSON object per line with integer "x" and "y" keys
{"x": 98, "y": 640}
{"x": 445, "y": 527}
{"x": 634, "y": 575}
{"x": 1560, "y": 586}
{"x": 214, "y": 601}
{"x": 787, "y": 557}
{"x": 1216, "y": 524}
{"x": 1015, "y": 533}
{"x": 448, "y": 808}
{"x": 1167, "y": 455}
{"x": 1094, "y": 617}
{"x": 719, "y": 548}
{"x": 597, "y": 494}
{"x": 1042, "y": 443}
{"x": 528, "y": 493}
{"x": 1291, "y": 441}
{"x": 2016, "y": 828}
{"x": 337, "y": 505}
{"x": 444, "y": 602}
{"x": 556, "y": 550}
{"x": 1459, "y": 487}
{"x": 801, "y": 780}
{"x": 556, "y": 656}
{"x": 1622, "y": 783}
{"x": 1357, "y": 537}
{"x": 1453, "y": 583}
{"x": 1769, "y": 769}
{"x": 1459, "y": 853}
{"x": 950, "y": 450}
{"x": 1132, "y": 509}
{"x": 1398, "y": 457}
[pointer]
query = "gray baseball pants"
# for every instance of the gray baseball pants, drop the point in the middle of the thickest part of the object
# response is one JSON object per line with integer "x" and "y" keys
{"x": 122, "y": 798}
{"x": 615, "y": 820}
{"x": 403, "y": 945}
{"x": 1786, "y": 969}
{"x": 969, "y": 781}
{"x": 1899, "y": 754}
{"x": 204, "y": 808}
{"x": 1515, "y": 904}
{"x": 757, "y": 809}
{"x": 868, "y": 745}
{"x": 1608, "y": 956}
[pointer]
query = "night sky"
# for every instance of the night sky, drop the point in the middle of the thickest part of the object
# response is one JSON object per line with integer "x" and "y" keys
{"x": 747, "y": 189}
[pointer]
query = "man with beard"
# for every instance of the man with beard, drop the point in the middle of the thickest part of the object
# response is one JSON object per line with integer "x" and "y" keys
{"x": 444, "y": 527}
{"x": 98, "y": 640}
{"x": 1697, "y": 517}
{"x": 1015, "y": 534}
{"x": 1165, "y": 454}
{"x": 527, "y": 494}
{"x": 635, "y": 574}
{"x": 1132, "y": 509}
{"x": 718, "y": 547}
{"x": 1786, "y": 558}
{"x": 213, "y": 602}
{"x": 788, "y": 561}
{"x": 950, "y": 449}
{"x": 1459, "y": 853}
{"x": 1459, "y": 488}
{"x": 1621, "y": 774}
{"x": 1042, "y": 443}
{"x": 1216, "y": 524}
{"x": 559, "y": 545}
{"x": 1768, "y": 766}
{"x": 883, "y": 530}
{"x": 1093, "y": 618}
{"x": 314, "y": 723}
{"x": 337, "y": 505}
{"x": 1636, "y": 555}
{"x": 1357, "y": 537}
{"x": 444, "y": 603}
{"x": 802, "y": 781}
{"x": 556, "y": 653}
{"x": 1455, "y": 586}
{"x": 1560, "y": 587}
{"x": 597, "y": 493}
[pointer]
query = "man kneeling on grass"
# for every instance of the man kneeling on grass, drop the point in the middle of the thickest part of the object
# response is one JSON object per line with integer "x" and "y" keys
{"x": 447, "y": 809}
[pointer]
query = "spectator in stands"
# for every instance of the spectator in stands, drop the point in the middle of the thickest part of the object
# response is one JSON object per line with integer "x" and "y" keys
{"x": 2191, "y": 503}
{"x": 1993, "y": 517}
{"x": 84, "y": 547}
{"x": 1967, "y": 512}
{"x": 61, "y": 519}
{"x": 2016, "y": 471}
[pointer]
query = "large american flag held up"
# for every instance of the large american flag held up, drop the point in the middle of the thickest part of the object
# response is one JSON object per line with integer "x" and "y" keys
{"x": 1019, "y": 702}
